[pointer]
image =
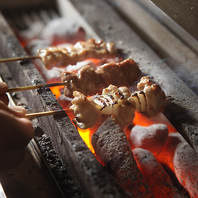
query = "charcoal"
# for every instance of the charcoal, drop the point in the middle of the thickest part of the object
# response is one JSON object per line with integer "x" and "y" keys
{"x": 113, "y": 150}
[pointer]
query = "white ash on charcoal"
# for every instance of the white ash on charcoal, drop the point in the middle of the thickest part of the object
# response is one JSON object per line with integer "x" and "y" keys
{"x": 63, "y": 30}
{"x": 182, "y": 159}
{"x": 113, "y": 150}
{"x": 158, "y": 180}
{"x": 158, "y": 119}
{"x": 56, "y": 31}
{"x": 60, "y": 171}
{"x": 33, "y": 31}
{"x": 152, "y": 138}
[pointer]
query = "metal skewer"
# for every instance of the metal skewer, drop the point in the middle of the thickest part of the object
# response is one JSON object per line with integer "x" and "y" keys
{"x": 15, "y": 89}
{"x": 45, "y": 113}
{"x": 18, "y": 58}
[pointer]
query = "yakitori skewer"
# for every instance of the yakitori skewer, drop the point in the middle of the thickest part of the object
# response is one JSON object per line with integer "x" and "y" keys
{"x": 119, "y": 103}
{"x": 45, "y": 113}
{"x": 18, "y": 58}
{"x": 25, "y": 88}
{"x": 63, "y": 56}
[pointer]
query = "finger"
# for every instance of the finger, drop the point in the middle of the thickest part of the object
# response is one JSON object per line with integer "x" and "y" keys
{"x": 4, "y": 99}
{"x": 26, "y": 131}
{"x": 14, "y": 110}
{"x": 15, "y": 132}
{"x": 19, "y": 111}
{"x": 3, "y": 88}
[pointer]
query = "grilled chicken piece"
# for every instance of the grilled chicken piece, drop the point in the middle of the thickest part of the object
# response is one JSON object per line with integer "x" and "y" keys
{"x": 121, "y": 110}
{"x": 86, "y": 81}
{"x": 112, "y": 102}
{"x": 119, "y": 103}
{"x": 89, "y": 82}
{"x": 61, "y": 57}
{"x": 87, "y": 113}
{"x": 150, "y": 99}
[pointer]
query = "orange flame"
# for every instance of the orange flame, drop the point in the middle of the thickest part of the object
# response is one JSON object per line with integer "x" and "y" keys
{"x": 56, "y": 91}
{"x": 84, "y": 133}
{"x": 86, "y": 136}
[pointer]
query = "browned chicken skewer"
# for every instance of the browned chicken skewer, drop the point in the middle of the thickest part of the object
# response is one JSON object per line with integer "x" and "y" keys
{"x": 59, "y": 56}
{"x": 64, "y": 56}
{"x": 150, "y": 100}
{"x": 89, "y": 81}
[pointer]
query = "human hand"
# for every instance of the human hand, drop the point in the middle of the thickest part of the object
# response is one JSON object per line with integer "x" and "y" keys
{"x": 15, "y": 133}
{"x": 3, "y": 95}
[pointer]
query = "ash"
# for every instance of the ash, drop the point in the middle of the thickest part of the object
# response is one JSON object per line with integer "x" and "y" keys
{"x": 60, "y": 172}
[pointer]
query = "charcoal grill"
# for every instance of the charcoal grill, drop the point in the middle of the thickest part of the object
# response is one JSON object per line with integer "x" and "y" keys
{"x": 106, "y": 20}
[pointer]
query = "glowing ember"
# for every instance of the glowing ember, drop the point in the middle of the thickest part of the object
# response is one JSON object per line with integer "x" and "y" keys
{"x": 155, "y": 175}
{"x": 160, "y": 118}
{"x": 112, "y": 148}
{"x": 152, "y": 138}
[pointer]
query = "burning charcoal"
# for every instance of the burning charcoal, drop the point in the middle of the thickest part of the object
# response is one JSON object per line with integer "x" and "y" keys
{"x": 63, "y": 30}
{"x": 167, "y": 154}
{"x": 113, "y": 150}
{"x": 183, "y": 161}
{"x": 151, "y": 138}
{"x": 155, "y": 175}
{"x": 159, "y": 118}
